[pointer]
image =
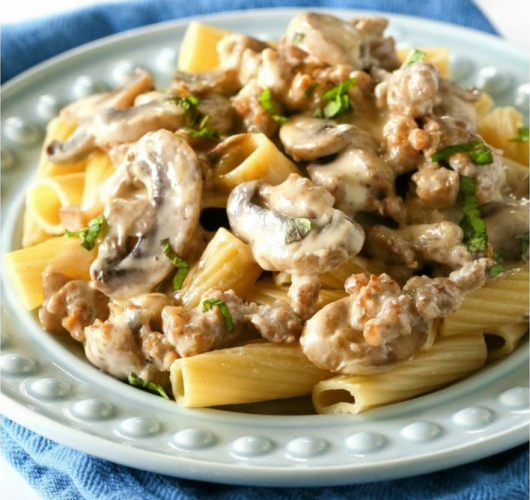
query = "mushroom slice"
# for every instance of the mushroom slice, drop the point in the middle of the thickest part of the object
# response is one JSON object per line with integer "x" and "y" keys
{"x": 78, "y": 146}
{"x": 293, "y": 227}
{"x": 113, "y": 125}
{"x": 326, "y": 39}
{"x": 161, "y": 175}
{"x": 306, "y": 138}
{"x": 83, "y": 110}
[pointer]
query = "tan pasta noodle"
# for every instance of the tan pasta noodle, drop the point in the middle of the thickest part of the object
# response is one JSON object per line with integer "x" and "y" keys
{"x": 247, "y": 374}
{"x": 227, "y": 263}
{"x": 252, "y": 157}
{"x": 62, "y": 255}
{"x": 449, "y": 359}
{"x": 98, "y": 170}
{"x": 499, "y": 302}
{"x": 503, "y": 340}
{"x": 337, "y": 277}
{"x": 264, "y": 292}
{"x": 58, "y": 129}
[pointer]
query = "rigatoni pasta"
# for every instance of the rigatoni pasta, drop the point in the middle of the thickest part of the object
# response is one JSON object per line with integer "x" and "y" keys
{"x": 449, "y": 359}
{"x": 246, "y": 374}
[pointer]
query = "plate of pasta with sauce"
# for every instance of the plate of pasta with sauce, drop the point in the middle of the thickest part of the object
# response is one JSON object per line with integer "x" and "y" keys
{"x": 278, "y": 257}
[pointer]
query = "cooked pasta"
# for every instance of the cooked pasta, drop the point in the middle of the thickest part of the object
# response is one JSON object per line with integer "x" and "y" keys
{"x": 503, "y": 340}
{"x": 264, "y": 292}
{"x": 500, "y": 302}
{"x": 252, "y": 157}
{"x": 61, "y": 255}
{"x": 98, "y": 170}
{"x": 438, "y": 56}
{"x": 58, "y": 129}
{"x": 48, "y": 195}
{"x": 499, "y": 127}
{"x": 247, "y": 374}
{"x": 226, "y": 264}
{"x": 338, "y": 276}
{"x": 198, "y": 51}
{"x": 449, "y": 359}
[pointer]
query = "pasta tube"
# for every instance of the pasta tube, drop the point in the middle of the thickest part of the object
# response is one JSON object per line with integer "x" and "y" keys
{"x": 227, "y": 263}
{"x": 449, "y": 359}
{"x": 252, "y": 157}
{"x": 48, "y": 194}
{"x": 62, "y": 255}
{"x": 264, "y": 292}
{"x": 503, "y": 340}
{"x": 497, "y": 303}
{"x": 58, "y": 130}
{"x": 438, "y": 56}
{"x": 198, "y": 51}
{"x": 247, "y": 374}
{"x": 337, "y": 277}
{"x": 98, "y": 170}
{"x": 500, "y": 126}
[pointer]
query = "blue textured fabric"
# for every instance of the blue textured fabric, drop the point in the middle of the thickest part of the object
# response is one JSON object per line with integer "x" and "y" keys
{"x": 60, "y": 473}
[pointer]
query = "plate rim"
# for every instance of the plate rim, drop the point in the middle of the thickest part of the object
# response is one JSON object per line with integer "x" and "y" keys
{"x": 260, "y": 475}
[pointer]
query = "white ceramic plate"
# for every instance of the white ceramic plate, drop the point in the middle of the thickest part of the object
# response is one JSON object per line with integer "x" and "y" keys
{"x": 49, "y": 387}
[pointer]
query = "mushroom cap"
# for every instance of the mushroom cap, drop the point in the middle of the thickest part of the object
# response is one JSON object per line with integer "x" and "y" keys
{"x": 307, "y": 138}
{"x": 161, "y": 181}
{"x": 261, "y": 215}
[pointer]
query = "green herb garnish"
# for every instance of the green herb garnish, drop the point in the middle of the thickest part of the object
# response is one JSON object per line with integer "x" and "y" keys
{"x": 189, "y": 105}
{"x": 265, "y": 100}
{"x": 308, "y": 92}
{"x": 498, "y": 268}
{"x": 137, "y": 381}
{"x": 339, "y": 101}
{"x": 209, "y": 303}
{"x": 478, "y": 151}
{"x": 522, "y": 135}
{"x": 183, "y": 266}
{"x": 88, "y": 234}
{"x": 415, "y": 55}
{"x": 297, "y": 229}
{"x": 473, "y": 224}
{"x": 297, "y": 38}
{"x": 523, "y": 245}
{"x": 203, "y": 132}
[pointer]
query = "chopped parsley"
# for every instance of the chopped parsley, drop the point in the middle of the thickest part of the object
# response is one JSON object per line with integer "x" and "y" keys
{"x": 478, "y": 151}
{"x": 90, "y": 233}
{"x": 209, "y": 303}
{"x": 522, "y": 135}
{"x": 179, "y": 262}
{"x": 137, "y": 381}
{"x": 523, "y": 245}
{"x": 498, "y": 268}
{"x": 415, "y": 55}
{"x": 297, "y": 229}
{"x": 473, "y": 224}
{"x": 308, "y": 92}
{"x": 297, "y": 38}
{"x": 338, "y": 100}
{"x": 265, "y": 100}
{"x": 195, "y": 121}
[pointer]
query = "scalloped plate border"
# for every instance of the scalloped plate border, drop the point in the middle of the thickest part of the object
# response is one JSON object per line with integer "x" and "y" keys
{"x": 52, "y": 391}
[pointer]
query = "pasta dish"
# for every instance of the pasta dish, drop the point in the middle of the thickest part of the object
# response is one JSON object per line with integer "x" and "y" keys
{"x": 324, "y": 214}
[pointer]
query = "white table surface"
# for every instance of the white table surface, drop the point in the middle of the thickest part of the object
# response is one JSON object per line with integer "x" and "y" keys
{"x": 510, "y": 18}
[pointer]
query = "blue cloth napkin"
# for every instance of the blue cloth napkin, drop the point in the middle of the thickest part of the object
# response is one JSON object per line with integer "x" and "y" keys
{"x": 60, "y": 473}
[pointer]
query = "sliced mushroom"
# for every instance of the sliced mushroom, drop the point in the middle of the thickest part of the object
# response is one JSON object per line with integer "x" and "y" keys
{"x": 112, "y": 125}
{"x": 262, "y": 215}
{"x": 220, "y": 80}
{"x": 326, "y": 39}
{"x": 83, "y": 110}
{"x": 78, "y": 146}
{"x": 359, "y": 181}
{"x": 162, "y": 173}
{"x": 307, "y": 138}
